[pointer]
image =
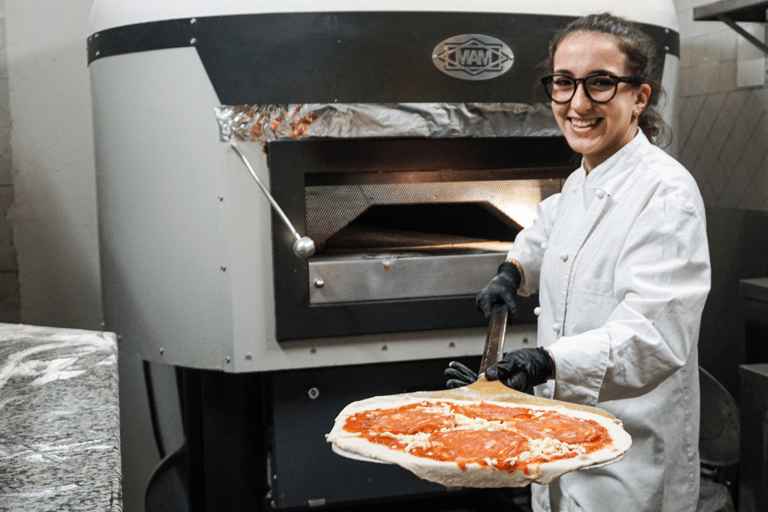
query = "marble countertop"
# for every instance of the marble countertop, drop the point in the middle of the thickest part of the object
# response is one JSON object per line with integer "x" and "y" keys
{"x": 59, "y": 420}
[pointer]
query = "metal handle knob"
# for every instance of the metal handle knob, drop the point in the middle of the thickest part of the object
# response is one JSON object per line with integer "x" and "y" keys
{"x": 303, "y": 247}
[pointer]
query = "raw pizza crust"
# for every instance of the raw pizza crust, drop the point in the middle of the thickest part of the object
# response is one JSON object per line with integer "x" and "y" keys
{"x": 473, "y": 475}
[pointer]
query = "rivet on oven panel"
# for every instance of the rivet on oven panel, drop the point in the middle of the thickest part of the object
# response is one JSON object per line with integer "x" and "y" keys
{"x": 162, "y": 350}
{"x": 248, "y": 356}
{"x": 193, "y": 40}
{"x": 313, "y": 393}
{"x": 221, "y": 198}
{"x": 313, "y": 350}
{"x": 193, "y": 21}
{"x": 525, "y": 340}
{"x": 384, "y": 348}
{"x": 451, "y": 345}
{"x": 223, "y": 268}
{"x": 319, "y": 283}
{"x": 227, "y": 359}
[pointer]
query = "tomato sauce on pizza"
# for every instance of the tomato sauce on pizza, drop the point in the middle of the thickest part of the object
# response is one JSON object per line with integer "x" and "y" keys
{"x": 408, "y": 419}
{"x": 466, "y": 446}
{"x": 563, "y": 428}
{"x": 507, "y": 438}
{"x": 492, "y": 412}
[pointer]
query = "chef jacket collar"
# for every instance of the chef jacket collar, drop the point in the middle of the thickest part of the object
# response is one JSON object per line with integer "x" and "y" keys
{"x": 607, "y": 174}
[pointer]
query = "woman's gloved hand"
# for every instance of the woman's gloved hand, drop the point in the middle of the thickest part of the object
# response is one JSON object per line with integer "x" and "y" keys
{"x": 502, "y": 289}
{"x": 522, "y": 368}
{"x": 459, "y": 375}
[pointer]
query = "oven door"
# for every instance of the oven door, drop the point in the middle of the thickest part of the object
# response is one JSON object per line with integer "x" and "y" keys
{"x": 407, "y": 230}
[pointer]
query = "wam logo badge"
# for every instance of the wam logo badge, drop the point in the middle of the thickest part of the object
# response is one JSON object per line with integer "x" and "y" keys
{"x": 473, "y": 57}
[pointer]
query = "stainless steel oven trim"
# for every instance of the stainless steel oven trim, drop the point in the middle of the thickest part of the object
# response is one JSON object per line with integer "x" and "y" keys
{"x": 391, "y": 276}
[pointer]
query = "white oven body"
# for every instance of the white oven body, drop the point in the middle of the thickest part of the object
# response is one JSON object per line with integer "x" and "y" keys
{"x": 185, "y": 232}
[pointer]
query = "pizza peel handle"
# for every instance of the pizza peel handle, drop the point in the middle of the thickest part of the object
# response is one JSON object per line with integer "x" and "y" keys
{"x": 494, "y": 339}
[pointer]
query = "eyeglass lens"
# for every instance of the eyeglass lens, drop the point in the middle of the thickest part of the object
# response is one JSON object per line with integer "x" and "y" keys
{"x": 599, "y": 88}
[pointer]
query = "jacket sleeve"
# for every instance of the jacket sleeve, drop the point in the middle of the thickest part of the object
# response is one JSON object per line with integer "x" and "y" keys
{"x": 530, "y": 243}
{"x": 661, "y": 281}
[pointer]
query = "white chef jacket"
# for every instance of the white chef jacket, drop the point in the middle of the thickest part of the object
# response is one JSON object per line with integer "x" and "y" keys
{"x": 621, "y": 263}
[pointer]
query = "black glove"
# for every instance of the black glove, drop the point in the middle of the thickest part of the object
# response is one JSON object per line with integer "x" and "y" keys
{"x": 460, "y": 375}
{"x": 502, "y": 289}
{"x": 522, "y": 368}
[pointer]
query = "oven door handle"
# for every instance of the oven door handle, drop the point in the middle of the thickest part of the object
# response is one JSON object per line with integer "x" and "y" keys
{"x": 303, "y": 246}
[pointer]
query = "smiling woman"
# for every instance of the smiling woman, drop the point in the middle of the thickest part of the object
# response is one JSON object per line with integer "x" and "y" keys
{"x": 603, "y": 46}
{"x": 597, "y": 130}
{"x": 621, "y": 264}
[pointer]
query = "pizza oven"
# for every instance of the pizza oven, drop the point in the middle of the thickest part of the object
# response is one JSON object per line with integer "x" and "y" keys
{"x": 298, "y": 202}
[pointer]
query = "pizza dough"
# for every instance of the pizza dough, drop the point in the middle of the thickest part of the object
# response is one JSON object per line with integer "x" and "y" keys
{"x": 473, "y": 443}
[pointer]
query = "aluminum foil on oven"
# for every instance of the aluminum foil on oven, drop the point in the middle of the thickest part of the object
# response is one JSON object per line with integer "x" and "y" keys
{"x": 261, "y": 123}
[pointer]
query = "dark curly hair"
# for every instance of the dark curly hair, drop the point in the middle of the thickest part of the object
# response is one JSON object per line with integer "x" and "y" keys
{"x": 640, "y": 51}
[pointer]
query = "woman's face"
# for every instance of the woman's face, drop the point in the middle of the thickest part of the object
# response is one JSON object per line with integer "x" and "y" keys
{"x": 595, "y": 130}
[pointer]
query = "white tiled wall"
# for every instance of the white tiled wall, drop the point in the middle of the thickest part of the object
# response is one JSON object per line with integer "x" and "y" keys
{"x": 722, "y": 131}
{"x": 9, "y": 276}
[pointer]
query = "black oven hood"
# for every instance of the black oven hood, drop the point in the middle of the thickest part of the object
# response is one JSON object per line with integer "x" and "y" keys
{"x": 350, "y": 57}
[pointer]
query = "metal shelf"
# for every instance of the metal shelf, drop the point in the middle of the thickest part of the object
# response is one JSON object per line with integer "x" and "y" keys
{"x": 735, "y": 10}
{"x": 731, "y": 11}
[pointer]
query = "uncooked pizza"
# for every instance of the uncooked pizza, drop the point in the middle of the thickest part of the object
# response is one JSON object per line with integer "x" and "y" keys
{"x": 477, "y": 443}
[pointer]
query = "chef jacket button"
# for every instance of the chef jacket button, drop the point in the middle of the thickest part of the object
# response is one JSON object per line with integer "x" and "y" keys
{"x": 600, "y": 193}
{"x": 555, "y": 326}
{"x": 564, "y": 256}
{"x": 544, "y": 246}
{"x": 537, "y": 311}
{"x": 575, "y": 188}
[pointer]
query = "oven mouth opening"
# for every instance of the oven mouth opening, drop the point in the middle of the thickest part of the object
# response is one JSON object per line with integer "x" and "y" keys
{"x": 406, "y": 230}
{"x": 435, "y": 228}
{"x": 405, "y": 251}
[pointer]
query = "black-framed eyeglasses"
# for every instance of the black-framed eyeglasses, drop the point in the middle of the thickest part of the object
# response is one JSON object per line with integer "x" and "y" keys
{"x": 599, "y": 87}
